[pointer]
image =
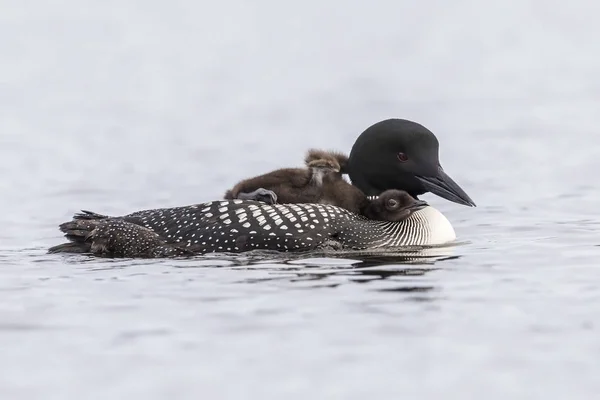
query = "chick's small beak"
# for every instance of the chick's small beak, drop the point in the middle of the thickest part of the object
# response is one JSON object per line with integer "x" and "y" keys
{"x": 419, "y": 204}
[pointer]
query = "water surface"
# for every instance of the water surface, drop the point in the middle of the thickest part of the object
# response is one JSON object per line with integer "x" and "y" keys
{"x": 118, "y": 106}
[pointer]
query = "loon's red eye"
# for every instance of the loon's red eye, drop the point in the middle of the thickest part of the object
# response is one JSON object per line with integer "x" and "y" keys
{"x": 402, "y": 157}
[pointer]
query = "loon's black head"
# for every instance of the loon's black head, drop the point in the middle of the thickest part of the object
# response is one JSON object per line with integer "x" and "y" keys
{"x": 401, "y": 154}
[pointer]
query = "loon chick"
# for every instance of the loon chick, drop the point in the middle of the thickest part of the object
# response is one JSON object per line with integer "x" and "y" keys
{"x": 238, "y": 226}
{"x": 321, "y": 182}
{"x": 392, "y": 205}
{"x": 323, "y": 169}
{"x": 327, "y": 161}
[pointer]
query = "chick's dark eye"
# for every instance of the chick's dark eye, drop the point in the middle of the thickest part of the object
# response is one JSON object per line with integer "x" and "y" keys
{"x": 402, "y": 157}
{"x": 392, "y": 203}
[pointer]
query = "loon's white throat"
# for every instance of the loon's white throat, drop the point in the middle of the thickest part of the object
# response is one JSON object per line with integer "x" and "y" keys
{"x": 428, "y": 227}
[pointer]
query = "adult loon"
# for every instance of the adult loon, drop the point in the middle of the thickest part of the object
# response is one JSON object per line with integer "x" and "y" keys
{"x": 235, "y": 226}
{"x": 391, "y": 154}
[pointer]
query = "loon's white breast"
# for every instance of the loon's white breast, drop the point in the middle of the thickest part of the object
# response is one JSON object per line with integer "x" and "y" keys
{"x": 431, "y": 227}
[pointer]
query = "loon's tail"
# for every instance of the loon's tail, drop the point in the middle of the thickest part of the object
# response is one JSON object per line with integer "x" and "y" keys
{"x": 102, "y": 235}
{"x": 78, "y": 231}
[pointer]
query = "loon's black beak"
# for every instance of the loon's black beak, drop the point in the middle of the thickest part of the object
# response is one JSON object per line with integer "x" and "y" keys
{"x": 445, "y": 187}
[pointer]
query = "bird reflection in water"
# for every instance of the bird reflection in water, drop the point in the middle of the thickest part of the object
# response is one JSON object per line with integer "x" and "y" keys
{"x": 403, "y": 270}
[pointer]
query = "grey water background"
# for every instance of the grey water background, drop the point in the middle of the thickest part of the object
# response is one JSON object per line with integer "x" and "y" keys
{"x": 117, "y": 106}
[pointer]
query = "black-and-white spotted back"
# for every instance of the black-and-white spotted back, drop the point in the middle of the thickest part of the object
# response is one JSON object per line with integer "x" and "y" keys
{"x": 236, "y": 225}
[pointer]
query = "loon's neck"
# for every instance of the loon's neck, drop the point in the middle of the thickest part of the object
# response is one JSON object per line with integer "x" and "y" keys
{"x": 424, "y": 227}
